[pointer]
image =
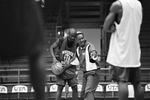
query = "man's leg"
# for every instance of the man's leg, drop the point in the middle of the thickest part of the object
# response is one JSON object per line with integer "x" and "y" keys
{"x": 61, "y": 83}
{"x": 82, "y": 93}
{"x": 120, "y": 75}
{"x": 73, "y": 83}
{"x": 59, "y": 92}
{"x": 74, "y": 92}
{"x": 91, "y": 85}
{"x": 37, "y": 74}
{"x": 135, "y": 78}
{"x": 138, "y": 91}
{"x": 123, "y": 90}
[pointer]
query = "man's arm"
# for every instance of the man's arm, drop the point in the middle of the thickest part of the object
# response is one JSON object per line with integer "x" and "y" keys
{"x": 110, "y": 19}
{"x": 93, "y": 55}
{"x": 93, "y": 52}
{"x": 52, "y": 48}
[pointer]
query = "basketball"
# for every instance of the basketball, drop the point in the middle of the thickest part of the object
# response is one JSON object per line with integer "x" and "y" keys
{"x": 57, "y": 68}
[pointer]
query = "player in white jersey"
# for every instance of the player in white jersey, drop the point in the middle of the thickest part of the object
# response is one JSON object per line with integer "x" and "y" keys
{"x": 124, "y": 50}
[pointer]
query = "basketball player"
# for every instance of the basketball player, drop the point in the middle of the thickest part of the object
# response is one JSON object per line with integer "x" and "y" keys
{"x": 124, "y": 50}
{"x": 88, "y": 59}
{"x": 66, "y": 56}
{"x": 21, "y": 34}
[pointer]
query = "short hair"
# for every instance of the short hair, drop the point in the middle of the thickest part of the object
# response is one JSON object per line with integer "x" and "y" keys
{"x": 72, "y": 30}
{"x": 79, "y": 32}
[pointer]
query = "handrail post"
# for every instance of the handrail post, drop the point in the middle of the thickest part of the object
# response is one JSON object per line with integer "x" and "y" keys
{"x": 18, "y": 81}
{"x": 57, "y": 27}
{"x": 67, "y": 11}
{"x": 101, "y": 7}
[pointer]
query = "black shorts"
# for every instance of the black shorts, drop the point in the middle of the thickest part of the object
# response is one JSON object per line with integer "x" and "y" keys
{"x": 71, "y": 81}
{"x": 125, "y": 74}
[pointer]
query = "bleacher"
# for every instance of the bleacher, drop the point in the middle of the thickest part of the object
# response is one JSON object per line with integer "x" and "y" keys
{"x": 15, "y": 73}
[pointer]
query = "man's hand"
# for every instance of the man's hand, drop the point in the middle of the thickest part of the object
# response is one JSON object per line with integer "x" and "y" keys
{"x": 65, "y": 65}
{"x": 54, "y": 59}
{"x": 94, "y": 55}
{"x": 113, "y": 28}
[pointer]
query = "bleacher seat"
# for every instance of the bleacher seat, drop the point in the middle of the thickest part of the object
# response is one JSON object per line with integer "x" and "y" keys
{"x": 130, "y": 92}
{"x": 53, "y": 90}
{"x": 111, "y": 91}
{"x": 113, "y": 88}
{"x": 31, "y": 95}
{"x": 79, "y": 89}
{"x": 99, "y": 92}
{"x": 147, "y": 92}
{"x": 69, "y": 95}
{"x": 3, "y": 93}
{"x": 19, "y": 92}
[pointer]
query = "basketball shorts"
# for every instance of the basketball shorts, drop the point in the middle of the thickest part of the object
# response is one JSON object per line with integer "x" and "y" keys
{"x": 125, "y": 74}
{"x": 71, "y": 81}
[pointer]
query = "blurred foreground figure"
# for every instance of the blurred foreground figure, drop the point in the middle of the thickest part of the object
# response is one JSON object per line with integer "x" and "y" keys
{"x": 21, "y": 34}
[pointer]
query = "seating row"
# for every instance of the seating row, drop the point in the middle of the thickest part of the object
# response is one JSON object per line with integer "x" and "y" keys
{"x": 22, "y": 75}
{"x": 103, "y": 91}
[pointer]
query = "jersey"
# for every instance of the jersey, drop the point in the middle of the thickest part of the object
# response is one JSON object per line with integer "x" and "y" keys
{"x": 81, "y": 54}
{"x": 66, "y": 54}
{"x": 124, "y": 49}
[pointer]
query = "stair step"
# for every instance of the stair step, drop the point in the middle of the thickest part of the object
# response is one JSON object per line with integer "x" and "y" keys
{"x": 50, "y": 33}
{"x": 50, "y": 24}
{"x": 145, "y": 29}
{"x": 85, "y": 13}
{"x": 145, "y": 45}
{"x": 50, "y": 10}
{"x": 52, "y": 1}
{"x": 84, "y": 8}
{"x": 145, "y": 41}
{"x": 145, "y": 49}
{"x": 51, "y": 27}
{"x": 84, "y": 16}
{"x": 144, "y": 38}
{"x": 145, "y": 59}
{"x": 49, "y": 41}
{"x": 145, "y": 54}
{"x": 52, "y": 6}
{"x": 51, "y": 15}
{"x": 145, "y": 64}
{"x": 84, "y": 0}
{"x": 85, "y": 25}
{"x": 84, "y": 3}
{"x": 76, "y": 20}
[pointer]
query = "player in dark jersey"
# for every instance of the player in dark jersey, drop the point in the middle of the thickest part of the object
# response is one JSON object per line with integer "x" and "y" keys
{"x": 66, "y": 55}
{"x": 21, "y": 34}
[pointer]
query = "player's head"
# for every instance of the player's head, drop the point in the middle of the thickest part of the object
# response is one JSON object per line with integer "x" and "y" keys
{"x": 80, "y": 39}
{"x": 72, "y": 34}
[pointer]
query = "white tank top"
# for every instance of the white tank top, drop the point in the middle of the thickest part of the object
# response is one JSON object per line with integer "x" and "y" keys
{"x": 124, "y": 49}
